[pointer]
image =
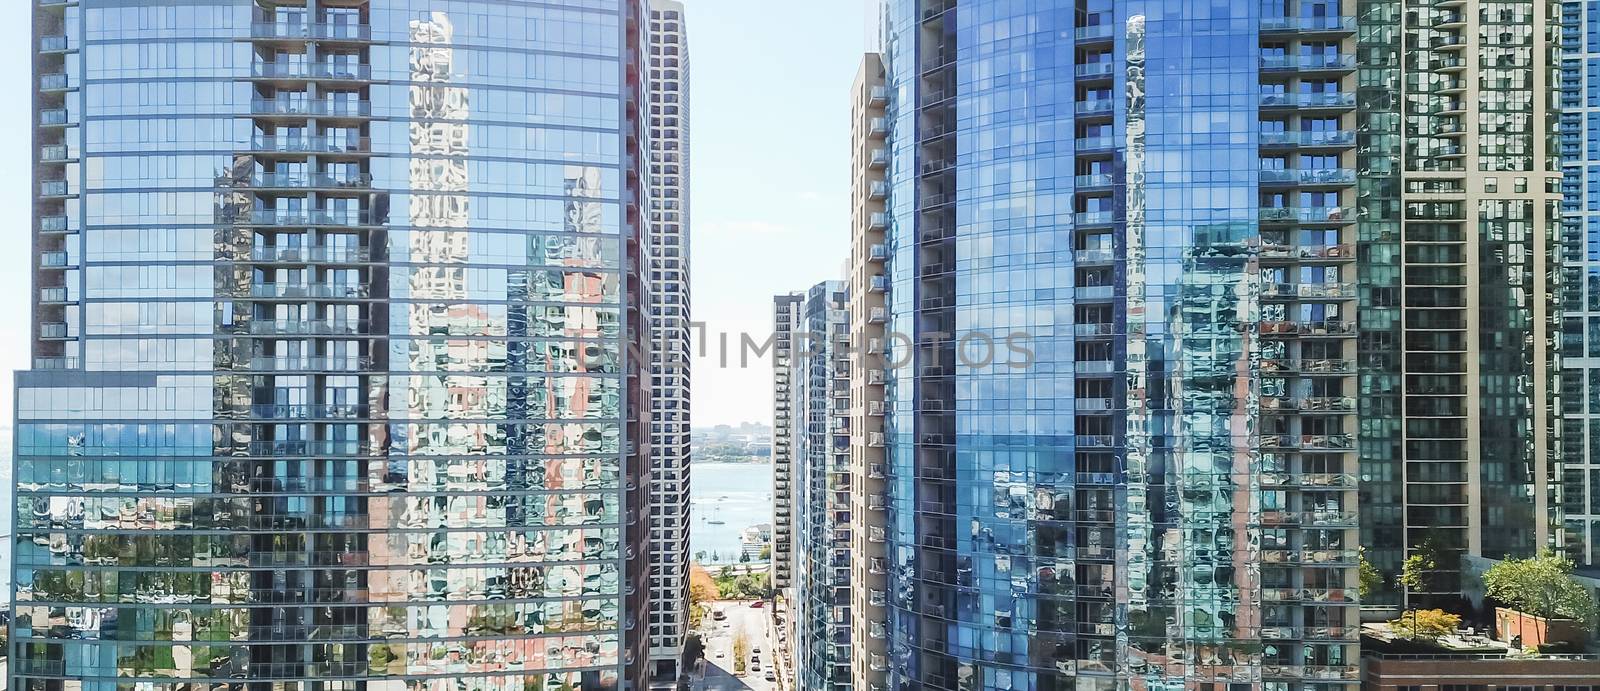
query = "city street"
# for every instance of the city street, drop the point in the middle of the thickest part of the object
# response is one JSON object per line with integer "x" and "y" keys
{"x": 719, "y": 636}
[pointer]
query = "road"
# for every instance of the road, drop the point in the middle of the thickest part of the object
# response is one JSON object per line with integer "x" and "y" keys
{"x": 719, "y": 636}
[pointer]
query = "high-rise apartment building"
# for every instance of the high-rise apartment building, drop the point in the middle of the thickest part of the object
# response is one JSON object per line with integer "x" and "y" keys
{"x": 334, "y": 319}
{"x": 820, "y": 606}
{"x": 1184, "y": 211}
{"x": 785, "y": 429}
{"x": 669, "y": 334}
{"x": 1157, "y": 483}
{"x": 1580, "y": 284}
{"x": 1458, "y": 271}
{"x": 867, "y": 287}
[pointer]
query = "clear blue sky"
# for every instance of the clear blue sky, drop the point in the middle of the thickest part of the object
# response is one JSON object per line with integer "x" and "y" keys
{"x": 770, "y": 94}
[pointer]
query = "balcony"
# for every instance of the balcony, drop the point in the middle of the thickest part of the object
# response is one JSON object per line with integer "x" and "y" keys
{"x": 271, "y": 144}
{"x": 877, "y": 221}
{"x": 53, "y": 82}
{"x": 875, "y": 440}
{"x": 878, "y": 284}
{"x": 875, "y": 408}
{"x": 875, "y": 471}
{"x": 1307, "y": 215}
{"x": 1318, "y": 328}
{"x": 1094, "y": 256}
{"x": 55, "y": 295}
{"x": 1094, "y": 218}
{"x": 1338, "y": 62}
{"x": 877, "y": 315}
{"x": 1099, "y": 32}
{"x": 317, "y": 30}
{"x": 1332, "y": 138}
{"x": 1093, "y": 180}
{"x": 53, "y": 44}
{"x": 1312, "y": 252}
{"x": 877, "y": 253}
{"x": 1319, "y": 25}
{"x": 1320, "y": 176}
{"x": 309, "y": 290}
{"x": 875, "y": 534}
{"x": 1094, "y": 329}
{"x": 54, "y": 260}
{"x": 877, "y": 190}
{"x": 53, "y": 330}
{"x": 1096, "y": 106}
{"x": 53, "y": 224}
{"x": 54, "y": 153}
{"x": 54, "y": 188}
{"x": 877, "y": 127}
{"x": 877, "y": 566}
{"x": 878, "y": 96}
{"x": 314, "y": 253}
{"x": 1094, "y": 70}
{"x": 273, "y": 217}
{"x": 1094, "y": 143}
{"x": 53, "y": 117}
{"x": 298, "y": 71}
{"x": 1096, "y": 441}
{"x": 1332, "y": 99}
{"x": 877, "y": 159}
{"x": 875, "y": 377}
{"x": 298, "y": 107}
{"x": 301, "y": 181}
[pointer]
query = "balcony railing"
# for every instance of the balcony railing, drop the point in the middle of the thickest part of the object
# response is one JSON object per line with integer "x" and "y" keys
{"x": 54, "y": 153}
{"x": 1096, "y": 105}
{"x": 311, "y": 253}
{"x": 300, "y": 30}
{"x": 311, "y": 70}
{"x": 273, "y": 217}
{"x": 311, "y": 144}
{"x": 1314, "y": 214}
{"x": 1318, "y": 176}
{"x": 1326, "y": 138}
{"x": 1308, "y": 24}
{"x": 53, "y": 82}
{"x": 1094, "y": 180}
{"x": 1333, "y": 99}
{"x": 311, "y": 180}
{"x": 1277, "y": 63}
{"x": 53, "y": 188}
{"x": 52, "y": 224}
{"x": 279, "y": 106}
{"x": 1309, "y": 251}
{"x": 53, "y": 116}
{"x": 52, "y": 44}
{"x": 1095, "y": 69}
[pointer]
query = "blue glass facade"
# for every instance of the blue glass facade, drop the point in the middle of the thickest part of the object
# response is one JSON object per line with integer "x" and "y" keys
{"x": 1158, "y": 195}
{"x": 1580, "y": 268}
{"x": 334, "y": 380}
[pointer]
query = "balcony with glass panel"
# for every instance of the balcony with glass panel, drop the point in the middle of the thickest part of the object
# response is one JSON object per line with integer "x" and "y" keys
{"x": 297, "y": 71}
{"x": 1328, "y": 25}
{"x": 1328, "y": 100}
{"x": 1309, "y": 63}
{"x": 1292, "y": 177}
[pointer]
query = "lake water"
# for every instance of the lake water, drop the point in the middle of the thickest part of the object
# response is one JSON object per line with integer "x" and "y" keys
{"x": 738, "y": 494}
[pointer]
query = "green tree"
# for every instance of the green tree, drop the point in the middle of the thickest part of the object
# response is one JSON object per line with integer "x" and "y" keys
{"x": 1420, "y": 570}
{"x": 741, "y": 650}
{"x": 1425, "y": 624}
{"x": 1369, "y": 579}
{"x": 1542, "y": 586}
{"x": 766, "y": 553}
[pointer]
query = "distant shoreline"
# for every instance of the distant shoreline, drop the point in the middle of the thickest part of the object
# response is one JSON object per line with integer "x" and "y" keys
{"x": 751, "y": 460}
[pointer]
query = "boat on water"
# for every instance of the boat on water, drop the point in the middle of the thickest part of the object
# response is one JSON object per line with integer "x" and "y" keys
{"x": 715, "y": 521}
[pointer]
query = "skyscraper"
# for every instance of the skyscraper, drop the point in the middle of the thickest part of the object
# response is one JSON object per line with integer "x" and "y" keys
{"x": 669, "y": 333}
{"x": 1580, "y": 285}
{"x": 868, "y": 312}
{"x": 1165, "y": 200}
{"x": 333, "y": 377}
{"x": 1459, "y": 274}
{"x": 1157, "y": 484}
{"x": 785, "y": 322}
{"x": 820, "y": 386}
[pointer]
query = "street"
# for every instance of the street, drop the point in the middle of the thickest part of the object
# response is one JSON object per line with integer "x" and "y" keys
{"x": 719, "y": 636}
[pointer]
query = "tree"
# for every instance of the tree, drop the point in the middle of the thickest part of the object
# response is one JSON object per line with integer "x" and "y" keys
{"x": 744, "y": 557}
{"x": 1425, "y": 624}
{"x": 741, "y": 650}
{"x": 766, "y": 552}
{"x": 1421, "y": 568}
{"x": 700, "y": 556}
{"x": 1369, "y": 578}
{"x": 727, "y": 571}
{"x": 699, "y": 594}
{"x": 1542, "y": 586}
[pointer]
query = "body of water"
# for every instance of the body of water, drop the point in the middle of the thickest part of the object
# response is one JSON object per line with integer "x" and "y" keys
{"x": 739, "y": 495}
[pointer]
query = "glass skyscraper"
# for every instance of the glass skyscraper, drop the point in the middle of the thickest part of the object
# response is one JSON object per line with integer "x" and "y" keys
{"x": 334, "y": 381}
{"x": 1580, "y": 264}
{"x": 1160, "y": 492}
